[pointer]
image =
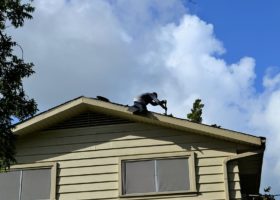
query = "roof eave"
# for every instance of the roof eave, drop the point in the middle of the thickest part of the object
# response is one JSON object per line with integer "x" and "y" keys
{"x": 82, "y": 103}
{"x": 170, "y": 122}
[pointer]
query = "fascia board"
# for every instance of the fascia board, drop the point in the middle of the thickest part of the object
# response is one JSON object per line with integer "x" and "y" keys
{"x": 45, "y": 116}
{"x": 175, "y": 123}
{"x": 151, "y": 118}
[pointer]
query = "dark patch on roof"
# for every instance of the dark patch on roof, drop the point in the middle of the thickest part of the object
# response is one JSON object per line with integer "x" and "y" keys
{"x": 102, "y": 98}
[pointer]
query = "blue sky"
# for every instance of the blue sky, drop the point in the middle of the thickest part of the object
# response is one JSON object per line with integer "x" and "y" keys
{"x": 248, "y": 28}
{"x": 224, "y": 52}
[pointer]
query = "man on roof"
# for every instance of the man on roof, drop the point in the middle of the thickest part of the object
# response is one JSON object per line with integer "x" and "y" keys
{"x": 141, "y": 102}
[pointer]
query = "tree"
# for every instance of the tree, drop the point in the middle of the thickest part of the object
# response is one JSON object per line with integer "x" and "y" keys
{"x": 266, "y": 196}
{"x": 14, "y": 103}
{"x": 196, "y": 112}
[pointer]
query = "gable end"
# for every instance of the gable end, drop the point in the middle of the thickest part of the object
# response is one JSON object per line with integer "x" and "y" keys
{"x": 89, "y": 119}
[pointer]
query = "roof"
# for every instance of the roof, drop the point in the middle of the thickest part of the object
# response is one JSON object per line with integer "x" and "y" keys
{"x": 80, "y": 104}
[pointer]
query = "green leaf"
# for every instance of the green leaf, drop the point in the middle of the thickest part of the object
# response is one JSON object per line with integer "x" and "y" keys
{"x": 14, "y": 103}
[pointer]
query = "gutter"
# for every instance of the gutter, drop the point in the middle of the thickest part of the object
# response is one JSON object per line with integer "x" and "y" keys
{"x": 230, "y": 158}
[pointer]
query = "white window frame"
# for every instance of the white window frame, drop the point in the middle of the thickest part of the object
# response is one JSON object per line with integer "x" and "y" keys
{"x": 47, "y": 165}
{"x": 192, "y": 177}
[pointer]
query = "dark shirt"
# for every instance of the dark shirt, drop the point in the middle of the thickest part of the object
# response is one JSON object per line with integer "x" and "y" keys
{"x": 147, "y": 98}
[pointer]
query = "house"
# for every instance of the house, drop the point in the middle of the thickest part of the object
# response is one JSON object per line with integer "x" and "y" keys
{"x": 91, "y": 149}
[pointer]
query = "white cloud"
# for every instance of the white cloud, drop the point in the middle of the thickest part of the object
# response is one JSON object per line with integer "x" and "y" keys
{"x": 266, "y": 121}
{"x": 188, "y": 56}
{"x": 271, "y": 82}
{"x": 78, "y": 48}
{"x": 121, "y": 48}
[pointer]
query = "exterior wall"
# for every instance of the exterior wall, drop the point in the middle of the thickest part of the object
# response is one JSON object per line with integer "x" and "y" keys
{"x": 88, "y": 159}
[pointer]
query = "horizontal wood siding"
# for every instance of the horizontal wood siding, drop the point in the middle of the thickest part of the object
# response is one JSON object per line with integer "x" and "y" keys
{"x": 88, "y": 158}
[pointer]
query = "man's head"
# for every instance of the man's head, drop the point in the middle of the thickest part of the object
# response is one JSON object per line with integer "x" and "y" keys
{"x": 154, "y": 93}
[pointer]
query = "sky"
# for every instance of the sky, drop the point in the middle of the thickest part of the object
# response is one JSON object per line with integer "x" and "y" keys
{"x": 223, "y": 52}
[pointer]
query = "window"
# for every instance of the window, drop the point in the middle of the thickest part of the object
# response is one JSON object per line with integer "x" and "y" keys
{"x": 171, "y": 173}
{"x": 26, "y": 182}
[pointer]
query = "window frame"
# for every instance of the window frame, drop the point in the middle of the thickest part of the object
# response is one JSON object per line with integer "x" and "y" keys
{"x": 34, "y": 166}
{"x": 192, "y": 177}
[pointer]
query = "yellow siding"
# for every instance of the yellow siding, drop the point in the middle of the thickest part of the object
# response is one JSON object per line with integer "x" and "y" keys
{"x": 88, "y": 159}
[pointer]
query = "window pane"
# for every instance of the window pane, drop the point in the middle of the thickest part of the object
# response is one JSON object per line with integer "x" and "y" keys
{"x": 36, "y": 184}
{"x": 9, "y": 185}
{"x": 139, "y": 177}
{"x": 173, "y": 174}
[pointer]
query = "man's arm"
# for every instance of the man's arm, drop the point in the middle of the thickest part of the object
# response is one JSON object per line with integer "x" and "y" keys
{"x": 156, "y": 102}
{"x": 163, "y": 104}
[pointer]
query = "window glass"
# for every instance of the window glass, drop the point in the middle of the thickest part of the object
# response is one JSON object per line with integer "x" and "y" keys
{"x": 173, "y": 175}
{"x": 156, "y": 175}
{"x": 25, "y": 184}
{"x": 10, "y": 185}
{"x": 36, "y": 184}
{"x": 139, "y": 177}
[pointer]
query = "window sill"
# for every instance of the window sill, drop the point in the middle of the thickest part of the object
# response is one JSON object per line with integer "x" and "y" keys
{"x": 180, "y": 193}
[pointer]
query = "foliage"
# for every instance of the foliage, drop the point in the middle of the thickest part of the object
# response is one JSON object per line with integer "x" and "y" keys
{"x": 267, "y": 195}
{"x": 196, "y": 112}
{"x": 14, "y": 103}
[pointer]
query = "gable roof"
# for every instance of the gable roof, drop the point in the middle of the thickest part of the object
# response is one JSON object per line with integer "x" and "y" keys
{"x": 81, "y": 104}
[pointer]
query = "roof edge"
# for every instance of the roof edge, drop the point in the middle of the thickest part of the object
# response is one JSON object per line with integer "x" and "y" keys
{"x": 151, "y": 118}
{"x": 185, "y": 125}
{"x": 48, "y": 114}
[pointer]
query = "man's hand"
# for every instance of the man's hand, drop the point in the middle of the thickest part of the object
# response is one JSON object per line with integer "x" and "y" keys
{"x": 163, "y": 104}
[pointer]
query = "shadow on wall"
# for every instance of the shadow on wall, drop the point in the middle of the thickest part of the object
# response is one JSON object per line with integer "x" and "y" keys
{"x": 102, "y": 145}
